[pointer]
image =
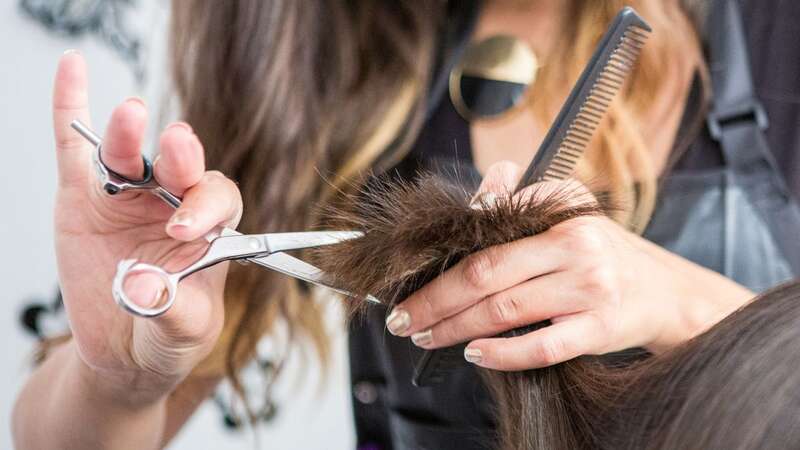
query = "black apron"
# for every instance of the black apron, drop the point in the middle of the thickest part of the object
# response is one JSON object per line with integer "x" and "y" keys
{"x": 739, "y": 220}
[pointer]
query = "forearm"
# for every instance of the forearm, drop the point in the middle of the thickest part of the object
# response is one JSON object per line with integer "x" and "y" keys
{"x": 64, "y": 406}
{"x": 701, "y": 296}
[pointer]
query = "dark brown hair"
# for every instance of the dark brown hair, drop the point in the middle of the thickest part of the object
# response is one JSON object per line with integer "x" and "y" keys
{"x": 736, "y": 386}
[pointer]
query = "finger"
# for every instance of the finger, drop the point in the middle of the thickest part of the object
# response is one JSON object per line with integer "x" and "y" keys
{"x": 214, "y": 200}
{"x": 122, "y": 145}
{"x": 559, "y": 342}
{"x": 479, "y": 275}
{"x": 499, "y": 180}
{"x": 70, "y": 102}
{"x": 180, "y": 163}
{"x": 529, "y": 302}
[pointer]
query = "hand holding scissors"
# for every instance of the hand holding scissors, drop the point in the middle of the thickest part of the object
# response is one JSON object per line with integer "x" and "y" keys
{"x": 225, "y": 244}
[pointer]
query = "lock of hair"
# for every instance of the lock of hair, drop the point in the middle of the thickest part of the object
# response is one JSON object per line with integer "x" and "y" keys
{"x": 567, "y": 139}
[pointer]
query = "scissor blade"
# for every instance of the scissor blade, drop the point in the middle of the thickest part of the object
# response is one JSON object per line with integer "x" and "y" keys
{"x": 289, "y": 265}
{"x": 281, "y": 242}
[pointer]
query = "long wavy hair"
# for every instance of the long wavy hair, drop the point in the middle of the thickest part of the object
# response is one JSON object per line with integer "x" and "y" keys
{"x": 287, "y": 95}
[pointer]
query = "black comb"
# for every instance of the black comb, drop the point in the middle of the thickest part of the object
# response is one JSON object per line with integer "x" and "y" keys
{"x": 600, "y": 81}
{"x": 564, "y": 144}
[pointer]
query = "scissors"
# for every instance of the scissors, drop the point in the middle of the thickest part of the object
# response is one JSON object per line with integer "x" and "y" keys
{"x": 266, "y": 250}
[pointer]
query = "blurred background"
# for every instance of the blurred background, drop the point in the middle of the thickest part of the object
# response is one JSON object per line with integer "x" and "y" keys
{"x": 124, "y": 44}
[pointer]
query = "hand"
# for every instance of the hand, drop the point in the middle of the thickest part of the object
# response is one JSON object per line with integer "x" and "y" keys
{"x": 143, "y": 358}
{"x": 602, "y": 288}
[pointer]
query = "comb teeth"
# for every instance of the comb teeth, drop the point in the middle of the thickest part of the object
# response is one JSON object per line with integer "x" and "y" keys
{"x": 602, "y": 93}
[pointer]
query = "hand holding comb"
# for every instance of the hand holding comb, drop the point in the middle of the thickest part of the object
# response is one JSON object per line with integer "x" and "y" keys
{"x": 567, "y": 139}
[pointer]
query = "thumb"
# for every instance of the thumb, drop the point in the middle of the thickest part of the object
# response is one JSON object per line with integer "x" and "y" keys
{"x": 499, "y": 181}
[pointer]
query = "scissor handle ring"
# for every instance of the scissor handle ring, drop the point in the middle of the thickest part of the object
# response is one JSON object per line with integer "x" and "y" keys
{"x": 115, "y": 182}
{"x": 128, "y": 267}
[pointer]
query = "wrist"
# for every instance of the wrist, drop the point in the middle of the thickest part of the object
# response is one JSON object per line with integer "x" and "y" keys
{"x": 698, "y": 297}
{"x": 120, "y": 391}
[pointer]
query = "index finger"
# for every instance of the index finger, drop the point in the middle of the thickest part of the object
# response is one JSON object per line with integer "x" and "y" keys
{"x": 475, "y": 277}
{"x": 70, "y": 102}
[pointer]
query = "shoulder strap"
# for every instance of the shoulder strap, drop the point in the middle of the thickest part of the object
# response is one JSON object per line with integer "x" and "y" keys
{"x": 737, "y": 118}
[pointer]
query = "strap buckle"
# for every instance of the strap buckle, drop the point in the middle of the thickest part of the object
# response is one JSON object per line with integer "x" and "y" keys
{"x": 751, "y": 111}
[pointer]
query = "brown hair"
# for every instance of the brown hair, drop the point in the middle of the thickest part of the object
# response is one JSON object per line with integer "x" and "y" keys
{"x": 736, "y": 386}
{"x": 284, "y": 94}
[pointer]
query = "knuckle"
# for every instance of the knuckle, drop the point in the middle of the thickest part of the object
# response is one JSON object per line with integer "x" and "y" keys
{"x": 478, "y": 269}
{"x": 599, "y": 282}
{"x": 580, "y": 235}
{"x": 504, "y": 309}
{"x": 605, "y": 324}
{"x": 69, "y": 142}
{"x": 445, "y": 335}
{"x": 548, "y": 351}
{"x": 429, "y": 308}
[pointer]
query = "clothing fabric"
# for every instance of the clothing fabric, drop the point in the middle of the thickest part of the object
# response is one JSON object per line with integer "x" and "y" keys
{"x": 739, "y": 218}
{"x": 721, "y": 206}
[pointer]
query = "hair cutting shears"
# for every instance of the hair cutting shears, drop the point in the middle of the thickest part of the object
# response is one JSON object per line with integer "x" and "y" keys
{"x": 225, "y": 244}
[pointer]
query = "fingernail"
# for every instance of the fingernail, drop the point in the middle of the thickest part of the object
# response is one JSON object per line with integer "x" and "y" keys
{"x": 473, "y": 355}
{"x": 181, "y": 125}
{"x": 398, "y": 321}
{"x": 486, "y": 200}
{"x": 422, "y": 338}
{"x": 135, "y": 100}
{"x": 71, "y": 51}
{"x": 155, "y": 160}
{"x": 181, "y": 219}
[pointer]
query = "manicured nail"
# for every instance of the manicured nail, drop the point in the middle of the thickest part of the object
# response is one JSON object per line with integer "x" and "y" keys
{"x": 486, "y": 200}
{"x": 136, "y": 100}
{"x": 398, "y": 321}
{"x": 473, "y": 355}
{"x": 422, "y": 338}
{"x": 181, "y": 219}
{"x": 181, "y": 125}
{"x": 71, "y": 51}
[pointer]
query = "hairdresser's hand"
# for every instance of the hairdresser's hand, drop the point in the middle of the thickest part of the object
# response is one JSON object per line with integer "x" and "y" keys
{"x": 603, "y": 288}
{"x": 140, "y": 360}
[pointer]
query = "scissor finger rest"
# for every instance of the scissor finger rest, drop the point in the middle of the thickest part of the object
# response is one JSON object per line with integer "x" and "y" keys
{"x": 164, "y": 297}
{"x": 226, "y": 244}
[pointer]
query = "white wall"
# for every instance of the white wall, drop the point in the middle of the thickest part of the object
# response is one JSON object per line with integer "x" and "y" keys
{"x": 311, "y": 417}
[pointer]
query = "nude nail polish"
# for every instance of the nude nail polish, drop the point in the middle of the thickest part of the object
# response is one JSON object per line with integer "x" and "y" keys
{"x": 398, "y": 321}
{"x": 136, "y": 100}
{"x": 181, "y": 125}
{"x": 422, "y": 338}
{"x": 473, "y": 355}
{"x": 181, "y": 219}
{"x": 486, "y": 200}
